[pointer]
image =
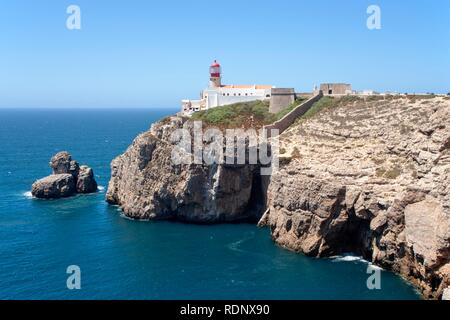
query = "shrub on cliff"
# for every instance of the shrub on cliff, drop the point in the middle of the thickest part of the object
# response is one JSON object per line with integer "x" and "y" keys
{"x": 253, "y": 114}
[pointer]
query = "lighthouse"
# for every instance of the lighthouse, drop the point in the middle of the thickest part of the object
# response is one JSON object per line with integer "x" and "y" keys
{"x": 215, "y": 79}
{"x": 218, "y": 94}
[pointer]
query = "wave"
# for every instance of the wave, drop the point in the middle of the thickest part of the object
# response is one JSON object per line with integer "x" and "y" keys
{"x": 347, "y": 258}
{"x": 101, "y": 188}
{"x": 28, "y": 195}
{"x": 122, "y": 215}
{"x": 374, "y": 267}
{"x": 353, "y": 258}
{"x": 236, "y": 245}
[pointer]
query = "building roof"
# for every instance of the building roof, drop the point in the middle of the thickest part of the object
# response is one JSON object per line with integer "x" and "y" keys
{"x": 256, "y": 86}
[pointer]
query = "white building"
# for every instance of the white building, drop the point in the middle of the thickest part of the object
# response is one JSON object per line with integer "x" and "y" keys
{"x": 219, "y": 95}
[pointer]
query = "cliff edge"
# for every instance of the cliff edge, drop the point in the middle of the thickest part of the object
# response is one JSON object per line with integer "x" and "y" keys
{"x": 147, "y": 185}
{"x": 370, "y": 177}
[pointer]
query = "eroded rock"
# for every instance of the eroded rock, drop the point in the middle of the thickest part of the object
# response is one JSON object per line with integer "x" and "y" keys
{"x": 373, "y": 178}
{"x": 86, "y": 181}
{"x": 446, "y": 294}
{"x": 54, "y": 187}
{"x": 66, "y": 180}
{"x": 427, "y": 231}
{"x": 147, "y": 184}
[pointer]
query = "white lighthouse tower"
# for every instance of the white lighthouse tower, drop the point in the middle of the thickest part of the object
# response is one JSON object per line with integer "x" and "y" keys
{"x": 218, "y": 94}
{"x": 215, "y": 80}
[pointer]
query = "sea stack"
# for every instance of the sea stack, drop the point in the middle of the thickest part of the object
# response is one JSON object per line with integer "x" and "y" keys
{"x": 67, "y": 179}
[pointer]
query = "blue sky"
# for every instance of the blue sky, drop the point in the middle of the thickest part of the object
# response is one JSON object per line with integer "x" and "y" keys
{"x": 154, "y": 53}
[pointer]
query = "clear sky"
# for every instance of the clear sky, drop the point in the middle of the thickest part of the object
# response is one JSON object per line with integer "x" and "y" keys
{"x": 153, "y": 53}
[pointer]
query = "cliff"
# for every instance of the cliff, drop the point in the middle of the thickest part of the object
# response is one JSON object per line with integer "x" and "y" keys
{"x": 370, "y": 177}
{"x": 365, "y": 176}
{"x": 146, "y": 183}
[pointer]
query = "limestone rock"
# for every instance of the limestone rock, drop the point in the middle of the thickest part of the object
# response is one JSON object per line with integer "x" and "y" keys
{"x": 427, "y": 231}
{"x": 66, "y": 180}
{"x": 86, "y": 182}
{"x": 54, "y": 187}
{"x": 147, "y": 184}
{"x": 61, "y": 163}
{"x": 446, "y": 294}
{"x": 369, "y": 176}
{"x": 373, "y": 178}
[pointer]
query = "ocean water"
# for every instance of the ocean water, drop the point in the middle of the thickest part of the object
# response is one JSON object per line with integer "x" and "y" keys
{"x": 124, "y": 259}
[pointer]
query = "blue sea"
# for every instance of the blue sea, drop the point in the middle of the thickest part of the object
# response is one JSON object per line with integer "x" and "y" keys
{"x": 124, "y": 259}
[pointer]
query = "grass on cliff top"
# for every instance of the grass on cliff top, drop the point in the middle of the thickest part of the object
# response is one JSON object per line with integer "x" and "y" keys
{"x": 323, "y": 104}
{"x": 252, "y": 114}
{"x": 289, "y": 108}
{"x": 246, "y": 114}
{"x": 328, "y": 103}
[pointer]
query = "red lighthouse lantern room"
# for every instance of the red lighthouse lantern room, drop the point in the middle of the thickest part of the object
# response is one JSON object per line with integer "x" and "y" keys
{"x": 215, "y": 70}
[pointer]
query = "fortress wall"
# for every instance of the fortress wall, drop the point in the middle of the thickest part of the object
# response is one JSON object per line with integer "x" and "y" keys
{"x": 281, "y": 98}
{"x": 290, "y": 118}
{"x": 335, "y": 88}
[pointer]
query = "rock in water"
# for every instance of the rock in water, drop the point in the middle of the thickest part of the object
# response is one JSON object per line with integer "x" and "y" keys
{"x": 54, "y": 187}
{"x": 66, "y": 180}
{"x": 86, "y": 182}
{"x": 60, "y": 163}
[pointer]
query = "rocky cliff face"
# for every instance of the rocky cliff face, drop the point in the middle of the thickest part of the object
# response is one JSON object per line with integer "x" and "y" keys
{"x": 370, "y": 177}
{"x": 147, "y": 184}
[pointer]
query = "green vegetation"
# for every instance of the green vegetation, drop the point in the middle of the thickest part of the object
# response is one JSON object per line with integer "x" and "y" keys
{"x": 327, "y": 103}
{"x": 378, "y": 161}
{"x": 323, "y": 104}
{"x": 255, "y": 114}
{"x": 246, "y": 114}
{"x": 289, "y": 108}
{"x": 413, "y": 98}
{"x": 295, "y": 153}
{"x": 392, "y": 173}
{"x": 252, "y": 114}
{"x": 380, "y": 172}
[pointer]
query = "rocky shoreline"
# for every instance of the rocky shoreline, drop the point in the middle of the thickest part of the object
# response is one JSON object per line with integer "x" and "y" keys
{"x": 365, "y": 176}
{"x": 67, "y": 179}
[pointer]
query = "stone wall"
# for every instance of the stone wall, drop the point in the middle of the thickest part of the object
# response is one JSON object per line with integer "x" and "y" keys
{"x": 290, "y": 118}
{"x": 281, "y": 98}
{"x": 335, "y": 88}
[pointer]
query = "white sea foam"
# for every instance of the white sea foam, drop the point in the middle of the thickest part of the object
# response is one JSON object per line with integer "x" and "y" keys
{"x": 28, "y": 194}
{"x": 234, "y": 246}
{"x": 101, "y": 188}
{"x": 122, "y": 215}
{"x": 352, "y": 258}
{"x": 374, "y": 267}
{"x": 348, "y": 258}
